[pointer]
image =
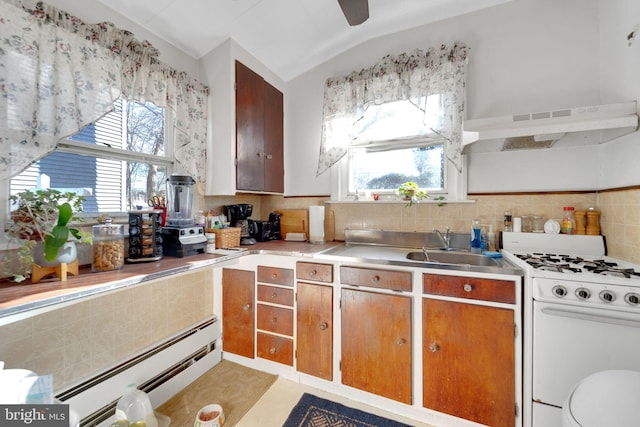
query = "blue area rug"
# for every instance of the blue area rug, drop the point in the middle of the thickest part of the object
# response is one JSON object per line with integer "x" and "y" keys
{"x": 312, "y": 411}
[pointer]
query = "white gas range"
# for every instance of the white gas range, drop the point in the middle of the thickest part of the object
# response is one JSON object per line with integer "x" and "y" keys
{"x": 582, "y": 315}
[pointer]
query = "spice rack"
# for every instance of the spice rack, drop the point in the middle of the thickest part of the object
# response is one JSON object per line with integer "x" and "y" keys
{"x": 145, "y": 241}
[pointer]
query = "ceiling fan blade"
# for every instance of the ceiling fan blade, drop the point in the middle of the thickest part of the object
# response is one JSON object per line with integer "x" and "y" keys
{"x": 356, "y": 11}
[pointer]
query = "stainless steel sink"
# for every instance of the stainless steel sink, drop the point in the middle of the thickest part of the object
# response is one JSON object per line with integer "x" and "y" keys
{"x": 450, "y": 257}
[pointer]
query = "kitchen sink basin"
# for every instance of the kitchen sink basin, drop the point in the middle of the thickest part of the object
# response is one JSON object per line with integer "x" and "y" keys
{"x": 450, "y": 257}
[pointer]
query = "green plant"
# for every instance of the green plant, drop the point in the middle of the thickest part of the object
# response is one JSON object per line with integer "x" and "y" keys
{"x": 411, "y": 191}
{"x": 42, "y": 215}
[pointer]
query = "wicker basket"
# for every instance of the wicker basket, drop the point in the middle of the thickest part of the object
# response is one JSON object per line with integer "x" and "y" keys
{"x": 226, "y": 237}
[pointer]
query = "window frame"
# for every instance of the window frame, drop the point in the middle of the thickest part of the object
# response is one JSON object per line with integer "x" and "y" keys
{"x": 67, "y": 145}
{"x": 455, "y": 184}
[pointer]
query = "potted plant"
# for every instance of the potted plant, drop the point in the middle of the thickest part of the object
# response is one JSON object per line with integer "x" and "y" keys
{"x": 411, "y": 192}
{"x": 43, "y": 216}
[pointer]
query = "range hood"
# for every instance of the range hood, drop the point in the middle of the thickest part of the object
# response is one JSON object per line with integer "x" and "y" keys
{"x": 567, "y": 127}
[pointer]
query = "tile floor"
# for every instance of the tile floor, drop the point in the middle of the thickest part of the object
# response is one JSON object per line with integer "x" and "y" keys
{"x": 274, "y": 406}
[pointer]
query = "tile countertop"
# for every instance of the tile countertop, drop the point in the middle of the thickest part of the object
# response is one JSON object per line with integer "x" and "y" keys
{"x": 22, "y": 297}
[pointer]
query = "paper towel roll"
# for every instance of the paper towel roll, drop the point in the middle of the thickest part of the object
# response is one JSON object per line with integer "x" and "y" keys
{"x": 316, "y": 224}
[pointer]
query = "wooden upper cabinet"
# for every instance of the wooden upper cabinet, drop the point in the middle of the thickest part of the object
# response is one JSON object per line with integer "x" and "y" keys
{"x": 259, "y": 133}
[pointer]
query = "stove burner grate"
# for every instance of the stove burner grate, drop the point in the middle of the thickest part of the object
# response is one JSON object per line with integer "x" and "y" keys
{"x": 566, "y": 263}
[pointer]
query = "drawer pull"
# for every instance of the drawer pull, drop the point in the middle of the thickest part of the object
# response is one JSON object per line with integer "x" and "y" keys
{"x": 274, "y": 276}
{"x": 434, "y": 347}
{"x": 313, "y": 273}
{"x": 467, "y": 287}
{"x": 246, "y": 307}
{"x": 272, "y": 350}
{"x": 323, "y": 326}
{"x": 273, "y": 320}
{"x": 274, "y": 295}
{"x": 401, "y": 341}
{"x": 375, "y": 279}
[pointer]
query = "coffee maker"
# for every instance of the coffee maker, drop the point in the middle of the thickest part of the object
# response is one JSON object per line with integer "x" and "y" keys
{"x": 238, "y": 217}
{"x": 180, "y": 236}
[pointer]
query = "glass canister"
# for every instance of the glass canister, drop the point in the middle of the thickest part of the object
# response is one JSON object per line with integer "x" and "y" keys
{"x": 537, "y": 224}
{"x": 108, "y": 246}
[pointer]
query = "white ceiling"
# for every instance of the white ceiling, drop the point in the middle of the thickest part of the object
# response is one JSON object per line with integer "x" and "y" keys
{"x": 288, "y": 36}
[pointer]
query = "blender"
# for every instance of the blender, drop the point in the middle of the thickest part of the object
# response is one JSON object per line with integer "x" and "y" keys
{"x": 180, "y": 236}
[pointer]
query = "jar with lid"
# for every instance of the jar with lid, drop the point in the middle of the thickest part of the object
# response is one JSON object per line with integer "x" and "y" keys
{"x": 508, "y": 221}
{"x": 108, "y": 246}
{"x": 568, "y": 225}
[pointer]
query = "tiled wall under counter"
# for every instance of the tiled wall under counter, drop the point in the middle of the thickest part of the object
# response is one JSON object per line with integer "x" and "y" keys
{"x": 93, "y": 334}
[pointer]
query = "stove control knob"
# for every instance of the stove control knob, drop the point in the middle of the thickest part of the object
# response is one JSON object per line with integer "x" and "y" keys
{"x": 559, "y": 291}
{"x": 632, "y": 298}
{"x": 607, "y": 296}
{"x": 583, "y": 293}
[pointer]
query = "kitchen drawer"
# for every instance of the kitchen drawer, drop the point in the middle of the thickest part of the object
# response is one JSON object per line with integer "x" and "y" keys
{"x": 375, "y": 278}
{"x": 470, "y": 287}
{"x": 275, "y": 319}
{"x": 315, "y": 272}
{"x": 277, "y": 349}
{"x": 275, "y": 295}
{"x": 275, "y": 275}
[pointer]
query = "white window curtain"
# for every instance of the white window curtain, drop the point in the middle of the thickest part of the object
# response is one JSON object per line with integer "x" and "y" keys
{"x": 414, "y": 76}
{"x": 85, "y": 67}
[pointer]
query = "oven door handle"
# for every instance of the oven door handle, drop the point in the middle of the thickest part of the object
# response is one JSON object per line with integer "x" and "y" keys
{"x": 592, "y": 317}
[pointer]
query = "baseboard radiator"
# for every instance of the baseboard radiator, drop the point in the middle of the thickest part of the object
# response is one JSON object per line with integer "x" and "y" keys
{"x": 161, "y": 372}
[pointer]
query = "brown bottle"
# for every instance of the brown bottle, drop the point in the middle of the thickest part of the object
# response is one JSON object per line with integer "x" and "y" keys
{"x": 593, "y": 222}
{"x": 580, "y": 222}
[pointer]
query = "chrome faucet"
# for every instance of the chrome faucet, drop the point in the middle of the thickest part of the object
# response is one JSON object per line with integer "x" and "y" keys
{"x": 446, "y": 238}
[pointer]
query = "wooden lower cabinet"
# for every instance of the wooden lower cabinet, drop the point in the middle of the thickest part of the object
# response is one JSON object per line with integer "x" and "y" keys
{"x": 238, "y": 312}
{"x": 314, "y": 338}
{"x": 275, "y": 348}
{"x": 469, "y": 361}
{"x": 377, "y": 344}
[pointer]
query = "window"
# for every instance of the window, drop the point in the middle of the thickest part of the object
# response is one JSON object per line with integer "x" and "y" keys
{"x": 117, "y": 163}
{"x": 395, "y": 143}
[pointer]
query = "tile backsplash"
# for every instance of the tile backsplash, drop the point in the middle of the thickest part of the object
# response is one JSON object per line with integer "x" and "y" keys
{"x": 619, "y": 219}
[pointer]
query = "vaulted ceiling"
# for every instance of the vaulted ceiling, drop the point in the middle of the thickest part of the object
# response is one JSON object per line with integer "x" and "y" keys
{"x": 288, "y": 36}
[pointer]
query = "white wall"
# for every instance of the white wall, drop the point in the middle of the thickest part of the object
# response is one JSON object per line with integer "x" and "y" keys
{"x": 620, "y": 78}
{"x": 526, "y": 55}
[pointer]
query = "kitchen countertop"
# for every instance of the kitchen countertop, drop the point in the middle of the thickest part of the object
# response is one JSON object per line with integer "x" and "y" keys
{"x": 22, "y": 297}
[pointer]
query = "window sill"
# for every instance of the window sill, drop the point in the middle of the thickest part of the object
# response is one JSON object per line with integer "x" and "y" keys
{"x": 398, "y": 202}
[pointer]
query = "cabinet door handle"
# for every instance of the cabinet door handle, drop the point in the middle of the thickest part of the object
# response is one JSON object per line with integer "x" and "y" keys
{"x": 375, "y": 279}
{"x": 246, "y": 307}
{"x": 269, "y": 157}
{"x": 272, "y": 350}
{"x": 260, "y": 154}
{"x": 323, "y": 326}
{"x": 401, "y": 341}
{"x": 434, "y": 347}
{"x": 467, "y": 287}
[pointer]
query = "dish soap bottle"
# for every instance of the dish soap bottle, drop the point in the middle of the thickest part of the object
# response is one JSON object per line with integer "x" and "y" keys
{"x": 476, "y": 237}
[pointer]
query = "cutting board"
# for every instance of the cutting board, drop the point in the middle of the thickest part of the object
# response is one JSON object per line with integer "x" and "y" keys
{"x": 294, "y": 221}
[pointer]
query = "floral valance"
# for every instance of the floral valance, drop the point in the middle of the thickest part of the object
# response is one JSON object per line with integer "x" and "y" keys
{"x": 69, "y": 75}
{"x": 403, "y": 77}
